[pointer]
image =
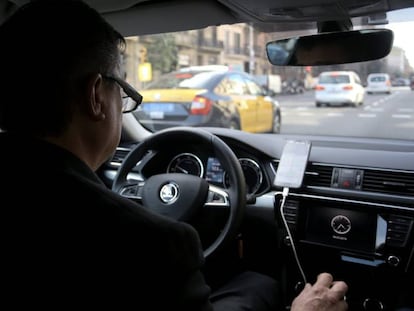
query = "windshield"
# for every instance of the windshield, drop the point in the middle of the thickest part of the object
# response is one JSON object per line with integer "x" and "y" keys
{"x": 377, "y": 79}
{"x": 334, "y": 78}
{"x": 180, "y": 86}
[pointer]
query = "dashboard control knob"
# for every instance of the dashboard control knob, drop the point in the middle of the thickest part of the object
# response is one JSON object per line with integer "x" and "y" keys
{"x": 393, "y": 260}
{"x": 371, "y": 304}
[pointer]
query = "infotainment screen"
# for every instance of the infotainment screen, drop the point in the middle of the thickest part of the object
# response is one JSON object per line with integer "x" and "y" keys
{"x": 342, "y": 228}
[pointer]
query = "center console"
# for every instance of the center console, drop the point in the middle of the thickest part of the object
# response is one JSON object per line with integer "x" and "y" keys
{"x": 368, "y": 245}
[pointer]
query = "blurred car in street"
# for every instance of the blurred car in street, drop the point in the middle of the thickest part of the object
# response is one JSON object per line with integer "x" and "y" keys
{"x": 400, "y": 82}
{"x": 378, "y": 83}
{"x": 209, "y": 96}
{"x": 339, "y": 88}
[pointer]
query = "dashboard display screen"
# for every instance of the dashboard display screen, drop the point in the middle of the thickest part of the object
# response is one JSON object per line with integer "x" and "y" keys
{"x": 214, "y": 171}
{"x": 347, "y": 229}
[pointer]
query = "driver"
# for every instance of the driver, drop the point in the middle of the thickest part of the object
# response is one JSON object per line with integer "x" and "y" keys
{"x": 68, "y": 241}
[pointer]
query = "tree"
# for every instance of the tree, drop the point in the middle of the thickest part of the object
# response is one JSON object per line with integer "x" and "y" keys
{"x": 162, "y": 53}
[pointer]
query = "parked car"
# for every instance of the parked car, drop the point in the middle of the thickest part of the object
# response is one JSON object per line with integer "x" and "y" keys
{"x": 339, "y": 88}
{"x": 400, "y": 82}
{"x": 293, "y": 86}
{"x": 378, "y": 83}
{"x": 209, "y": 96}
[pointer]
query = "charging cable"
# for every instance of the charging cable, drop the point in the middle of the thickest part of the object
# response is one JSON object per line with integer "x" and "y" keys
{"x": 284, "y": 196}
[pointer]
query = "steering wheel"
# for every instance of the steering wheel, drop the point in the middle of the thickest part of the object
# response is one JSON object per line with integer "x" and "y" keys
{"x": 180, "y": 196}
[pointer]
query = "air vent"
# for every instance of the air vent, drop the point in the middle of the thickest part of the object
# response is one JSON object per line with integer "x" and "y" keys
{"x": 119, "y": 156}
{"x": 318, "y": 175}
{"x": 290, "y": 210}
{"x": 389, "y": 182}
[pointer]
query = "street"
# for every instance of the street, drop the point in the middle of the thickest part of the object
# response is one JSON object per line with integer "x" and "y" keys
{"x": 382, "y": 116}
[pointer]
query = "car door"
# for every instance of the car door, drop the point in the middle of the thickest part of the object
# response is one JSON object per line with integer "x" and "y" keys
{"x": 263, "y": 106}
{"x": 244, "y": 101}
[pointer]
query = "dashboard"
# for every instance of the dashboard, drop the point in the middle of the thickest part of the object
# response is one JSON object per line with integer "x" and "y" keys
{"x": 368, "y": 244}
{"x": 199, "y": 160}
{"x": 353, "y": 214}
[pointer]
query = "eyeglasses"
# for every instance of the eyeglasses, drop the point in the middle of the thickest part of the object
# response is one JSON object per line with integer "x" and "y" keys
{"x": 131, "y": 99}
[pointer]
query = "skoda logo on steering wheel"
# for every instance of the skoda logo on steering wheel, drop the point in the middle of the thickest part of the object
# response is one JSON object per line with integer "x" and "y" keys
{"x": 169, "y": 193}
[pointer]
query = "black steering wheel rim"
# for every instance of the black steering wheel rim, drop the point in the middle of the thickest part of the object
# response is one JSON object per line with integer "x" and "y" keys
{"x": 236, "y": 192}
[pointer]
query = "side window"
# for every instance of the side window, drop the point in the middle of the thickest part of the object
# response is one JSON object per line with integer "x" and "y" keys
{"x": 253, "y": 88}
{"x": 236, "y": 85}
{"x": 223, "y": 87}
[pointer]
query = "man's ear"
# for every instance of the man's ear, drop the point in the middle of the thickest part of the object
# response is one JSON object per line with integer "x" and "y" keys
{"x": 95, "y": 98}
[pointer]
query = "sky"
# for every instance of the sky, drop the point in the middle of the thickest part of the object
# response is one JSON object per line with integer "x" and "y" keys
{"x": 404, "y": 38}
{"x": 403, "y": 32}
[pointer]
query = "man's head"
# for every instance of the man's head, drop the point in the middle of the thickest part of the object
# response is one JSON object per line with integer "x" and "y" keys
{"x": 50, "y": 52}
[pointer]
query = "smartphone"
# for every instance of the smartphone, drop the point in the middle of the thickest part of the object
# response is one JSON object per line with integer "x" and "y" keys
{"x": 292, "y": 164}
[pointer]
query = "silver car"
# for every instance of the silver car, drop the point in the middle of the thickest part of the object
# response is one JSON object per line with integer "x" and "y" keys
{"x": 378, "y": 83}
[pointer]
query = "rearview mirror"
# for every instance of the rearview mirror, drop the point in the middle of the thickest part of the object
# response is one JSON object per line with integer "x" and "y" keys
{"x": 331, "y": 48}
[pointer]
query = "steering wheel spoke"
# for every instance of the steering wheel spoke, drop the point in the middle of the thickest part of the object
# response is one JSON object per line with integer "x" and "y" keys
{"x": 133, "y": 190}
{"x": 217, "y": 197}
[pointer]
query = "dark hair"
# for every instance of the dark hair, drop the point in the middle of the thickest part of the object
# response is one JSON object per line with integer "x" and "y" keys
{"x": 49, "y": 49}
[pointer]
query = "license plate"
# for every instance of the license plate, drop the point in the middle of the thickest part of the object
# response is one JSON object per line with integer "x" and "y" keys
{"x": 156, "y": 114}
{"x": 158, "y": 107}
{"x": 334, "y": 89}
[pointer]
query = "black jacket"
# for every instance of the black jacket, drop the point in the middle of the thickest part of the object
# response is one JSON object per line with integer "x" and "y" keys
{"x": 70, "y": 241}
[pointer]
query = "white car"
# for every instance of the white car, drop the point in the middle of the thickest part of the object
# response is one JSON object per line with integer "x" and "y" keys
{"x": 378, "y": 83}
{"x": 339, "y": 88}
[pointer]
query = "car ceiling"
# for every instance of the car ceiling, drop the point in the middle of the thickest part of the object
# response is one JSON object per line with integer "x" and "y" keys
{"x": 138, "y": 17}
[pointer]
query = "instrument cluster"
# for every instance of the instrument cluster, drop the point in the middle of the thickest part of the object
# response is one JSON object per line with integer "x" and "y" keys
{"x": 213, "y": 172}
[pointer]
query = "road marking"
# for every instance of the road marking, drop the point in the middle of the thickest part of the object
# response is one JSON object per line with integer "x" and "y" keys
{"x": 401, "y": 116}
{"x": 378, "y": 109}
{"x": 367, "y": 115}
{"x": 405, "y": 110}
{"x": 384, "y": 99}
{"x": 305, "y": 114}
{"x": 334, "y": 114}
